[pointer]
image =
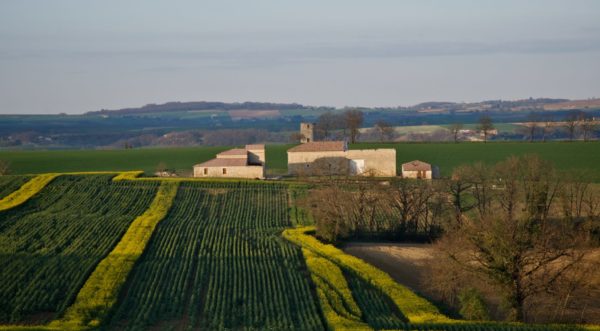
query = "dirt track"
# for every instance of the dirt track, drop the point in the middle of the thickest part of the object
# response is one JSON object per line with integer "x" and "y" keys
{"x": 406, "y": 263}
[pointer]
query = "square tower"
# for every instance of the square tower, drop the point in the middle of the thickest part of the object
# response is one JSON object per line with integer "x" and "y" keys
{"x": 307, "y": 132}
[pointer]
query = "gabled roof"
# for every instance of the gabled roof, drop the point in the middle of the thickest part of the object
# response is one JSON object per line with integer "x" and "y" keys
{"x": 224, "y": 163}
{"x": 255, "y": 147}
{"x": 235, "y": 151}
{"x": 416, "y": 165}
{"x": 320, "y": 146}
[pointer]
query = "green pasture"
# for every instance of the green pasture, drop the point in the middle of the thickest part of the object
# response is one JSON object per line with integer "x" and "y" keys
{"x": 580, "y": 156}
{"x": 565, "y": 155}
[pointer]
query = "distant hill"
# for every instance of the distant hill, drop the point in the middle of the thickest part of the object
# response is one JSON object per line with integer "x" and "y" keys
{"x": 574, "y": 104}
{"x": 198, "y": 105}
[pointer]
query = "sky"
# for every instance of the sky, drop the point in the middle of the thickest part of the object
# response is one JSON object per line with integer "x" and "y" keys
{"x": 75, "y": 56}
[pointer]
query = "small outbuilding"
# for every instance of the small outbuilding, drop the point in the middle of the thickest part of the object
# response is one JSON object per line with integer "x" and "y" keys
{"x": 417, "y": 169}
{"x": 248, "y": 162}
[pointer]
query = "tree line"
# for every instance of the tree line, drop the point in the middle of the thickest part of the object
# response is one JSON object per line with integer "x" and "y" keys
{"x": 520, "y": 227}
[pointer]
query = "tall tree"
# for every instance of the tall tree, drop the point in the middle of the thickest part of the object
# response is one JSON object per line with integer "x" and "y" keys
{"x": 485, "y": 126}
{"x": 455, "y": 129}
{"x": 326, "y": 123}
{"x": 527, "y": 253}
{"x": 353, "y": 119}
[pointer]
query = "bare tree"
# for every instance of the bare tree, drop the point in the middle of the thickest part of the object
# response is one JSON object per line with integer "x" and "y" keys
{"x": 547, "y": 127}
{"x": 353, "y": 119}
{"x": 527, "y": 254}
{"x": 4, "y": 167}
{"x": 384, "y": 130}
{"x": 531, "y": 126}
{"x": 459, "y": 188}
{"x": 410, "y": 199}
{"x": 587, "y": 125}
{"x": 571, "y": 123}
{"x": 455, "y": 129}
{"x": 485, "y": 126}
{"x": 296, "y": 137}
{"x": 326, "y": 123}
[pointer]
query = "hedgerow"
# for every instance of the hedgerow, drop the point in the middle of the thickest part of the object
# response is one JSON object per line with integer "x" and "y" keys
{"x": 100, "y": 291}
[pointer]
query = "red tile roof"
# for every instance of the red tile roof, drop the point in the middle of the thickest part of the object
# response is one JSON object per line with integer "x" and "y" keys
{"x": 255, "y": 147}
{"x": 416, "y": 165}
{"x": 242, "y": 162}
{"x": 235, "y": 151}
{"x": 320, "y": 146}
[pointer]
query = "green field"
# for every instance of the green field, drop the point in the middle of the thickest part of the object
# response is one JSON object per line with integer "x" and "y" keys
{"x": 50, "y": 244}
{"x": 565, "y": 155}
{"x": 216, "y": 262}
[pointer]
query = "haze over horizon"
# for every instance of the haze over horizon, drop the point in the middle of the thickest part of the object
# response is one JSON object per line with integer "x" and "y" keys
{"x": 73, "y": 57}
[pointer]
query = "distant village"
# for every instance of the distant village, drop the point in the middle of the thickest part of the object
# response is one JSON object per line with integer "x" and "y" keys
{"x": 314, "y": 158}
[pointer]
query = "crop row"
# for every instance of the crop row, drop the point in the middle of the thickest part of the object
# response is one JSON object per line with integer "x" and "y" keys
{"x": 340, "y": 310}
{"x": 217, "y": 262}
{"x": 50, "y": 244}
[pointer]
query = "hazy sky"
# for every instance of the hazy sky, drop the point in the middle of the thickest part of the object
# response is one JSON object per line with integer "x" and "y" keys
{"x": 76, "y": 56}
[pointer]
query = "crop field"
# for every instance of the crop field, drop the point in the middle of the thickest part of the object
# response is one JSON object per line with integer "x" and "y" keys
{"x": 201, "y": 255}
{"x": 217, "y": 262}
{"x": 50, "y": 244}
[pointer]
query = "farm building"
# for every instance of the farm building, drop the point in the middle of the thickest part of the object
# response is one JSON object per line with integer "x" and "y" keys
{"x": 334, "y": 158}
{"x": 248, "y": 162}
{"x": 417, "y": 169}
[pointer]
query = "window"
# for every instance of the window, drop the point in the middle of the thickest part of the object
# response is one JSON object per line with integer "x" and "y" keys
{"x": 224, "y": 171}
{"x": 307, "y": 140}
{"x": 206, "y": 171}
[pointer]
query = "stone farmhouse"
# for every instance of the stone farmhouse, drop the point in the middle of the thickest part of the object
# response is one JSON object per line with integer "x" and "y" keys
{"x": 315, "y": 158}
{"x": 248, "y": 162}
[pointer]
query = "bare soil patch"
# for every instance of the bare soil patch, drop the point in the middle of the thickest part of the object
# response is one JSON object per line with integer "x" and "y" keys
{"x": 405, "y": 263}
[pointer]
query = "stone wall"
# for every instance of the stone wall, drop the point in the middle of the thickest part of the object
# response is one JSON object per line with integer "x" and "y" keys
{"x": 256, "y": 156}
{"x": 415, "y": 174}
{"x": 377, "y": 162}
{"x": 301, "y": 163}
{"x": 232, "y": 172}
